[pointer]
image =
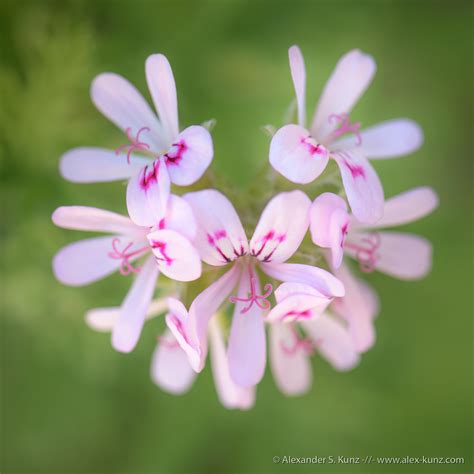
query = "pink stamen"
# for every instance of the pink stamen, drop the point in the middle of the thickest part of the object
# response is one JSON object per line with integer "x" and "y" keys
{"x": 345, "y": 126}
{"x": 303, "y": 343}
{"x": 126, "y": 266}
{"x": 135, "y": 143}
{"x": 366, "y": 255}
{"x": 260, "y": 300}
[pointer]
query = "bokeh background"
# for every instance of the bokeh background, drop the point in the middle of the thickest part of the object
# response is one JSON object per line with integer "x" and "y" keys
{"x": 70, "y": 404}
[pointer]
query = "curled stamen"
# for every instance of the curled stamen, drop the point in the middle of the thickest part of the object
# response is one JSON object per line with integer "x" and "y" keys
{"x": 303, "y": 343}
{"x": 345, "y": 126}
{"x": 135, "y": 143}
{"x": 260, "y": 300}
{"x": 126, "y": 266}
{"x": 366, "y": 254}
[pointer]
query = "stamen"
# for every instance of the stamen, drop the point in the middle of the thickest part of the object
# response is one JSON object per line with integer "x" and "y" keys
{"x": 135, "y": 143}
{"x": 299, "y": 342}
{"x": 345, "y": 127}
{"x": 366, "y": 255}
{"x": 126, "y": 266}
{"x": 260, "y": 300}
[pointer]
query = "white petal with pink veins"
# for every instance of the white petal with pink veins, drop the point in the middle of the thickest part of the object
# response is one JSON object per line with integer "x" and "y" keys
{"x": 329, "y": 222}
{"x": 96, "y": 165}
{"x": 204, "y": 306}
{"x": 175, "y": 255}
{"x": 405, "y": 208}
{"x": 179, "y": 217}
{"x": 362, "y": 185}
{"x": 401, "y": 255}
{"x": 129, "y": 324}
{"x": 247, "y": 346}
{"x": 147, "y": 194}
{"x": 349, "y": 80}
{"x": 123, "y": 105}
{"x": 320, "y": 279}
{"x": 220, "y": 236}
{"x": 282, "y": 227}
{"x": 358, "y": 307}
{"x": 333, "y": 341}
{"x": 298, "y": 74}
{"x": 291, "y": 368}
{"x": 296, "y": 155}
{"x": 161, "y": 84}
{"x": 95, "y": 220}
{"x": 86, "y": 261}
{"x": 170, "y": 368}
{"x": 230, "y": 394}
{"x": 190, "y": 155}
{"x": 388, "y": 139}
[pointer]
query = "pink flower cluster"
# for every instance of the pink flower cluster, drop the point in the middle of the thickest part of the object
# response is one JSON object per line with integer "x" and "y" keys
{"x": 199, "y": 236}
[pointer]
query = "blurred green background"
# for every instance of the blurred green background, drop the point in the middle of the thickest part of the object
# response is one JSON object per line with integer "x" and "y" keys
{"x": 73, "y": 405}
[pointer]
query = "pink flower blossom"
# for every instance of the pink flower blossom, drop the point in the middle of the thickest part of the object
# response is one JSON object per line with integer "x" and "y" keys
{"x": 398, "y": 254}
{"x": 221, "y": 240}
{"x": 170, "y": 368}
{"x": 301, "y": 155}
{"x": 164, "y": 248}
{"x": 156, "y": 153}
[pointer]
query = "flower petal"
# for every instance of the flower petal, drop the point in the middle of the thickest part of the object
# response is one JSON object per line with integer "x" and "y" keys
{"x": 333, "y": 341}
{"x": 401, "y": 255}
{"x": 329, "y": 222}
{"x": 161, "y": 84}
{"x": 388, "y": 139}
{"x": 123, "y": 105}
{"x": 298, "y": 74}
{"x": 89, "y": 260}
{"x": 170, "y": 368}
{"x": 179, "y": 217}
{"x": 95, "y": 220}
{"x": 175, "y": 255}
{"x": 96, "y": 165}
{"x": 129, "y": 324}
{"x": 281, "y": 228}
{"x": 291, "y": 370}
{"x": 147, "y": 194}
{"x": 247, "y": 346}
{"x": 362, "y": 185}
{"x": 297, "y": 301}
{"x": 220, "y": 236}
{"x": 205, "y": 305}
{"x": 104, "y": 319}
{"x": 323, "y": 281}
{"x": 230, "y": 394}
{"x": 296, "y": 155}
{"x": 404, "y": 208}
{"x": 190, "y": 155}
{"x": 349, "y": 80}
{"x": 358, "y": 307}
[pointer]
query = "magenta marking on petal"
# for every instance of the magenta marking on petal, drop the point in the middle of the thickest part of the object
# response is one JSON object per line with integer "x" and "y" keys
{"x": 124, "y": 255}
{"x": 162, "y": 224}
{"x": 148, "y": 177}
{"x": 344, "y": 231}
{"x": 260, "y": 300}
{"x": 366, "y": 254}
{"x": 303, "y": 343}
{"x": 345, "y": 126}
{"x": 161, "y": 248}
{"x": 175, "y": 155}
{"x": 268, "y": 237}
{"x": 180, "y": 328}
{"x": 168, "y": 344}
{"x": 135, "y": 143}
{"x": 311, "y": 145}
{"x": 219, "y": 234}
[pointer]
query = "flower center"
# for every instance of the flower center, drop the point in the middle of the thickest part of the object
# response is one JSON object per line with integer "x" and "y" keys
{"x": 366, "y": 251}
{"x": 135, "y": 143}
{"x": 252, "y": 296}
{"x": 345, "y": 126}
{"x": 125, "y": 255}
{"x": 300, "y": 343}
